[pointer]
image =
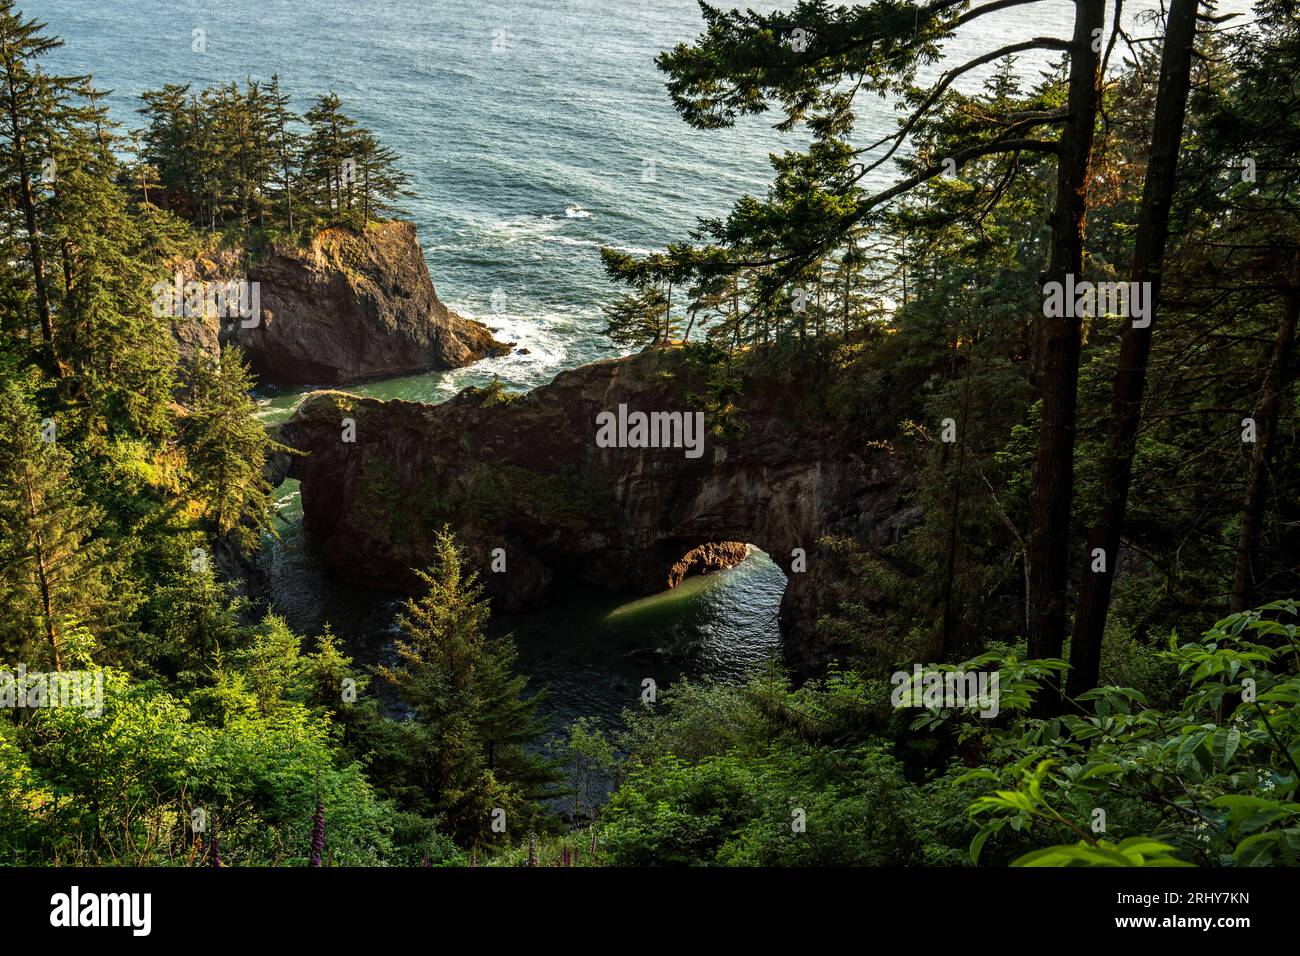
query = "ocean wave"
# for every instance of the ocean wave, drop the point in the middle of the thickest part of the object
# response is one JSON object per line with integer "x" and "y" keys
{"x": 523, "y": 227}
{"x": 594, "y": 244}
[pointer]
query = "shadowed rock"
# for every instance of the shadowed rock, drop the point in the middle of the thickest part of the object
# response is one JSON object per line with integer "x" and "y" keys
{"x": 349, "y": 307}
{"x": 525, "y": 474}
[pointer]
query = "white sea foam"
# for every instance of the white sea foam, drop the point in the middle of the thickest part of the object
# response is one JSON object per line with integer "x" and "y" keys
{"x": 595, "y": 244}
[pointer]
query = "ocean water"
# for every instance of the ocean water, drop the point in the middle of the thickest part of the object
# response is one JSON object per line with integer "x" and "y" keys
{"x": 534, "y": 132}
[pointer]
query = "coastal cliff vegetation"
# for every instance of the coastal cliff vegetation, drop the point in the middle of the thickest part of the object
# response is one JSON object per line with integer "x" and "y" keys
{"x": 1148, "y": 712}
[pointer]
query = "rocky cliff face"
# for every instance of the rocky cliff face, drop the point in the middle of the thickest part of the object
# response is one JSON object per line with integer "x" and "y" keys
{"x": 525, "y": 483}
{"x": 347, "y": 308}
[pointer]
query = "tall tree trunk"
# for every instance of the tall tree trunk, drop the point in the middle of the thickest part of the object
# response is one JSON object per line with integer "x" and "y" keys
{"x": 27, "y": 199}
{"x": 1135, "y": 346}
{"x": 1049, "y": 529}
{"x": 668, "y": 317}
{"x": 954, "y": 516}
{"x": 43, "y": 575}
{"x": 1265, "y": 414}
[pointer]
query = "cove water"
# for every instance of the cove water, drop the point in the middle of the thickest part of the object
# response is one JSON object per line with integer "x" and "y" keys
{"x": 534, "y": 132}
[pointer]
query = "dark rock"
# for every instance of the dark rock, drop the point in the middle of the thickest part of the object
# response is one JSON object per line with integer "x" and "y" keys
{"x": 525, "y": 474}
{"x": 350, "y": 307}
{"x": 276, "y": 468}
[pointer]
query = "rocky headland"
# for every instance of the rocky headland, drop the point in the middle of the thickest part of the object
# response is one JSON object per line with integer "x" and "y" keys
{"x": 347, "y": 307}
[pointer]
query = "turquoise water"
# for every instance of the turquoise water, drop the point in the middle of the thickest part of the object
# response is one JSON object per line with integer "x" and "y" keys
{"x": 528, "y": 128}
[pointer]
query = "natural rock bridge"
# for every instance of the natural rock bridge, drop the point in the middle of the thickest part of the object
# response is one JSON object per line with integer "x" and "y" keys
{"x": 526, "y": 474}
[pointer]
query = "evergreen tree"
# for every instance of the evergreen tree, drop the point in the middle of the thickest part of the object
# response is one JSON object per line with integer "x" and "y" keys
{"x": 1135, "y": 348}
{"x": 226, "y": 449}
{"x": 141, "y": 175}
{"x": 329, "y": 166}
{"x": 635, "y": 318}
{"x": 214, "y": 157}
{"x": 237, "y": 126}
{"x": 54, "y": 573}
{"x": 239, "y": 153}
{"x": 120, "y": 360}
{"x": 285, "y": 144}
{"x": 382, "y": 183}
{"x": 463, "y": 752}
{"x": 168, "y": 144}
{"x": 34, "y": 108}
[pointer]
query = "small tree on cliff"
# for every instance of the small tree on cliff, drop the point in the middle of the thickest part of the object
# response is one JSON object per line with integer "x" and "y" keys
{"x": 381, "y": 183}
{"x": 285, "y": 142}
{"x": 635, "y": 318}
{"x": 328, "y": 163}
{"x": 462, "y": 754}
{"x": 167, "y": 143}
{"x": 351, "y": 177}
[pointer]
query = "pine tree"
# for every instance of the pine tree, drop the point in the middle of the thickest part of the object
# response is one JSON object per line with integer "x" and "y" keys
{"x": 168, "y": 144}
{"x": 120, "y": 360}
{"x": 34, "y": 109}
{"x": 217, "y": 153}
{"x": 645, "y": 315}
{"x": 1135, "y": 348}
{"x": 227, "y": 151}
{"x": 141, "y": 175}
{"x": 464, "y": 747}
{"x": 235, "y": 125}
{"x": 330, "y": 150}
{"x": 53, "y": 572}
{"x": 226, "y": 449}
{"x": 382, "y": 183}
{"x": 285, "y": 144}
{"x": 635, "y": 318}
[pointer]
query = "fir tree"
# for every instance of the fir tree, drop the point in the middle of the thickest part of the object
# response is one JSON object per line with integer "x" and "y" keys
{"x": 226, "y": 449}
{"x": 285, "y": 144}
{"x": 53, "y": 572}
{"x": 168, "y": 145}
{"x": 464, "y": 748}
{"x": 330, "y": 164}
{"x": 34, "y": 111}
{"x": 382, "y": 183}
